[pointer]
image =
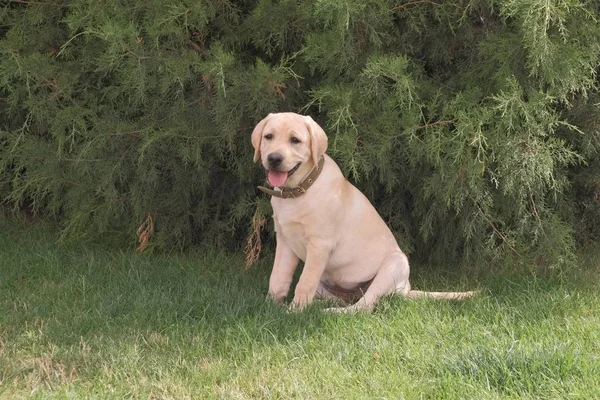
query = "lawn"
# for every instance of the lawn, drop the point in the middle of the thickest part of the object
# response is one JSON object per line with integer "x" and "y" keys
{"x": 92, "y": 321}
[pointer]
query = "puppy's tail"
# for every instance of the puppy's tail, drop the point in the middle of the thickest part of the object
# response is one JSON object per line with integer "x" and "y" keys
{"x": 442, "y": 295}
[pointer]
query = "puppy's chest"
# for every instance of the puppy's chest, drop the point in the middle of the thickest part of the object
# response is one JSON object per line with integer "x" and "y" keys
{"x": 292, "y": 228}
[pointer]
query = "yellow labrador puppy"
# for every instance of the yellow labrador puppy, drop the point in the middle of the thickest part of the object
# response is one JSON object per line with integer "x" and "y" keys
{"x": 322, "y": 219}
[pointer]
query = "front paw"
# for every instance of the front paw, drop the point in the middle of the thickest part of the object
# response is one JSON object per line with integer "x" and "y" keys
{"x": 275, "y": 299}
{"x": 293, "y": 310}
{"x": 296, "y": 307}
{"x": 278, "y": 294}
{"x": 300, "y": 302}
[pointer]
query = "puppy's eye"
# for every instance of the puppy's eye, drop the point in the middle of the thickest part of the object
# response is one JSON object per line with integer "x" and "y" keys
{"x": 295, "y": 140}
{"x": 269, "y": 136}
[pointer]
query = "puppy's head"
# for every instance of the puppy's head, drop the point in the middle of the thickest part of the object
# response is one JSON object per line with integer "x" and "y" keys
{"x": 288, "y": 145}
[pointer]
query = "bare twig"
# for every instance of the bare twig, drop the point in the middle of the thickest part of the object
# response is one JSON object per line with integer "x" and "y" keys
{"x": 494, "y": 228}
{"x": 253, "y": 243}
{"x": 537, "y": 216}
{"x": 197, "y": 48}
{"x": 440, "y": 122}
{"x": 413, "y": 3}
{"x": 144, "y": 232}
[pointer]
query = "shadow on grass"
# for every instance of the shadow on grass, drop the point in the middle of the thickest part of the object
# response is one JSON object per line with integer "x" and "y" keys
{"x": 74, "y": 294}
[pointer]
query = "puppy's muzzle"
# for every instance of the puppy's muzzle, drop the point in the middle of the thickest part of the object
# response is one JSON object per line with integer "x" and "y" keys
{"x": 274, "y": 159}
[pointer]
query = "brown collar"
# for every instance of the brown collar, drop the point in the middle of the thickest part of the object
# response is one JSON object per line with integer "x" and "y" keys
{"x": 286, "y": 193}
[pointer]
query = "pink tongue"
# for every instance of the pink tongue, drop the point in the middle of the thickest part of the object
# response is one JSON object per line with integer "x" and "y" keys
{"x": 277, "y": 178}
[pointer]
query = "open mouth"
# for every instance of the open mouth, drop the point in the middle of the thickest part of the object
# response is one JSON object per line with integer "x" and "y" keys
{"x": 278, "y": 178}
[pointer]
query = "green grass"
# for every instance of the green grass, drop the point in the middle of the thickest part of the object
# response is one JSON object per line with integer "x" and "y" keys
{"x": 82, "y": 321}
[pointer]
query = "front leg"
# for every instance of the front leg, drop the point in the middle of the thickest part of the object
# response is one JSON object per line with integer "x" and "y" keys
{"x": 317, "y": 256}
{"x": 283, "y": 270}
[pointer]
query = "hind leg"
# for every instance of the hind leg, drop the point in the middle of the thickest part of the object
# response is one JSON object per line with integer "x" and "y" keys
{"x": 392, "y": 277}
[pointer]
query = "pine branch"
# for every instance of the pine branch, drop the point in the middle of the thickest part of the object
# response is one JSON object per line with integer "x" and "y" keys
{"x": 66, "y": 159}
{"x": 108, "y": 106}
{"x": 39, "y": 3}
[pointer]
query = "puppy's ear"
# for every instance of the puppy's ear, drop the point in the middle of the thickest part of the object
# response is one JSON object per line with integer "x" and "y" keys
{"x": 257, "y": 137}
{"x": 318, "y": 139}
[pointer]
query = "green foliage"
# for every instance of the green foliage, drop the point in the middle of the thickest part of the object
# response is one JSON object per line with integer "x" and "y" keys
{"x": 471, "y": 124}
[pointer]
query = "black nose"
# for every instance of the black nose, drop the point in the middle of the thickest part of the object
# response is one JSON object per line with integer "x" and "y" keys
{"x": 274, "y": 159}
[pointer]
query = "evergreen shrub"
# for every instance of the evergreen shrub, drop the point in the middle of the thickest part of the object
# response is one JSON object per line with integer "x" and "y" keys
{"x": 472, "y": 125}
